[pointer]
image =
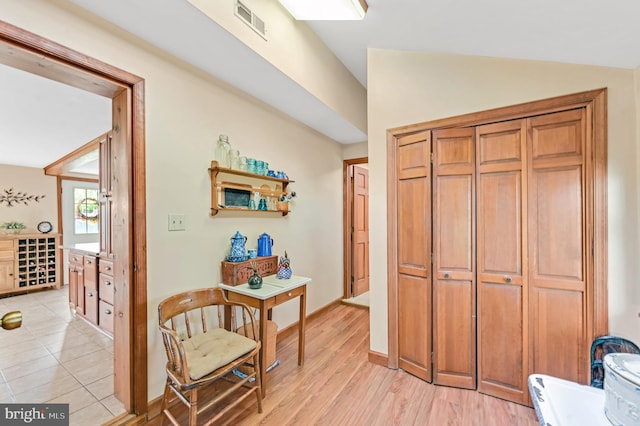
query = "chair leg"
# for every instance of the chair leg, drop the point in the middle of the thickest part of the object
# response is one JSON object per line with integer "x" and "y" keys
{"x": 193, "y": 408}
{"x": 258, "y": 391}
{"x": 165, "y": 402}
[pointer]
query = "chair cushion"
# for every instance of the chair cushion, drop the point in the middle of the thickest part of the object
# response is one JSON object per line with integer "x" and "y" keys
{"x": 209, "y": 351}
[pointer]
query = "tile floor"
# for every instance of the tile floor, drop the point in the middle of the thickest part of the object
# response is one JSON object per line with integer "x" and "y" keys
{"x": 57, "y": 358}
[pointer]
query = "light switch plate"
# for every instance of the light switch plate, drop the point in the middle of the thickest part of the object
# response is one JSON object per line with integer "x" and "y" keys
{"x": 177, "y": 222}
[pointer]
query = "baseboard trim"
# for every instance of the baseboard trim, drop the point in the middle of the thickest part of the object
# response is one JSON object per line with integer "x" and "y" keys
{"x": 127, "y": 420}
{"x": 154, "y": 408}
{"x": 378, "y": 358}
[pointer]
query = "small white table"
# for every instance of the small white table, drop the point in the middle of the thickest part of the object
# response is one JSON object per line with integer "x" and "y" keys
{"x": 561, "y": 402}
{"x": 273, "y": 292}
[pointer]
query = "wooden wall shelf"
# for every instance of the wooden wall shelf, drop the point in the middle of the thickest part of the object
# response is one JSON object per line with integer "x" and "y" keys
{"x": 232, "y": 182}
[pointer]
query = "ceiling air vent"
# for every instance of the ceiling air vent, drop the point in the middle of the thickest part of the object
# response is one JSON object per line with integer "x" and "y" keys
{"x": 250, "y": 18}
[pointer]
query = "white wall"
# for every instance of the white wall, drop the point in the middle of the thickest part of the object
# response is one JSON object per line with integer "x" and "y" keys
{"x": 185, "y": 112}
{"x": 31, "y": 181}
{"x": 411, "y": 87}
{"x": 298, "y": 52}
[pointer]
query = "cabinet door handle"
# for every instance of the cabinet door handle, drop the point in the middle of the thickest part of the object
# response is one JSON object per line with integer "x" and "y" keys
{"x": 88, "y": 262}
{"x": 289, "y": 294}
{"x": 89, "y": 294}
{"x": 507, "y": 279}
{"x": 75, "y": 259}
{"x": 107, "y": 268}
{"x": 107, "y": 282}
{"x": 10, "y": 275}
{"x": 447, "y": 275}
{"x": 107, "y": 311}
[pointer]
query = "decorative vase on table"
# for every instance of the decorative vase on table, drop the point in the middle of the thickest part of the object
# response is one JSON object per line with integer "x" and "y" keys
{"x": 284, "y": 267}
{"x": 255, "y": 280}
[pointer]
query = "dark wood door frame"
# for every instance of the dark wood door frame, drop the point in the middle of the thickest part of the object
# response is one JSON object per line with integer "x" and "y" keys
{"x": 347, "y": 199}
{"x": 595, "y": 102}
{"x": 32, "y": 53}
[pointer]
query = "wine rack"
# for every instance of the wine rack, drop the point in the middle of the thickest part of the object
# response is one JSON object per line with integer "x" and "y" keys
{"x": 36, "y": 262}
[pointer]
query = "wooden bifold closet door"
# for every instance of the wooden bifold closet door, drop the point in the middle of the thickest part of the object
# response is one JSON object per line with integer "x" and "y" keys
{"x": 495, "y": 250}
{"x": 502, "y": 260}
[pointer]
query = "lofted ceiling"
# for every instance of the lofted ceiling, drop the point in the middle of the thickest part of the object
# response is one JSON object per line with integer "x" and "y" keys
{"x": 584, "y": 32}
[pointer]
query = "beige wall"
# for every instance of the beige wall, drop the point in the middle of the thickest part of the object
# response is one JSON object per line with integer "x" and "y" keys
{"x": 355, "y": 150}
{"x": 185, "y": 112}
{"x": 411, "y": 87}
{"x": 296, "y": 50}
{"x": 31, "y": 181}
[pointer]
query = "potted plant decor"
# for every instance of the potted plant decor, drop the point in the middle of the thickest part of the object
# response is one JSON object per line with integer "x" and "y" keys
{"x": 13, "y": 227}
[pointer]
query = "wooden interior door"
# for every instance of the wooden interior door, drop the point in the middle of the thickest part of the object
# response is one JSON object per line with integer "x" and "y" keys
{"x": 502, "y": 260}
{"x": 414, "y": 254}
{"x": 560, "y": 310}
{"x": 454, "y": 258}
{"x": 360, "y": 221}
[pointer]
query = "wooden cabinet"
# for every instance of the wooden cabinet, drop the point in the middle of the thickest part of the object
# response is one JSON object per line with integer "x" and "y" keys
{"x": 29, "y": 262}
{"x": 91, "y": 287}
{"x": 106, "y": 295}
{"x": 243, "y": 186}
{"x": 105, "y": 180}
{"x": 7, "y": 265}
{"x": 76, "y": 282}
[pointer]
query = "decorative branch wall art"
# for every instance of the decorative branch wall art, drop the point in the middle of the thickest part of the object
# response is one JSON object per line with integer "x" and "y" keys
{"x": 11, "y": 198}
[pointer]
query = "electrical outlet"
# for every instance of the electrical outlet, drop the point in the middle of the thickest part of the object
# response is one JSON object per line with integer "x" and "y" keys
{"x": 177, "y": 222}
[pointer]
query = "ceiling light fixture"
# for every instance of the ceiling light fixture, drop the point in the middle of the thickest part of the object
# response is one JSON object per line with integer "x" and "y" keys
{"x": 326, "y": 10}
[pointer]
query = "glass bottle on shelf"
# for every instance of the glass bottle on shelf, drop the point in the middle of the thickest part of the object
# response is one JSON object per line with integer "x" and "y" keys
{"x": 234, "y": 159}
{"x": 222, "y": 151}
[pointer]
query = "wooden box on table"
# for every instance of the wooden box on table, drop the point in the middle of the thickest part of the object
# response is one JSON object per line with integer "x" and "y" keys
{"x": 236, "y": 273}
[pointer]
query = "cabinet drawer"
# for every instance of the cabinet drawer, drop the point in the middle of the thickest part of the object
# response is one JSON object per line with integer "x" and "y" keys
{"x": 6, "y": 254}
{"x": 91, "y": 305}
{"x": 106, "y": 316}
{"x": 105, "y": 267}
{"x": 6, "y": 244}
{"x": 291, "y": 294}
{"x": 76, "y": 259}
{"x": 106, "y": 288}
{"x": 89, "y": 262}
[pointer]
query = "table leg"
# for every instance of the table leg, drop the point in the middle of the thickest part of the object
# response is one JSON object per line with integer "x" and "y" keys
{"x": 301, "y": 324}
{"x": 263, "y": 348}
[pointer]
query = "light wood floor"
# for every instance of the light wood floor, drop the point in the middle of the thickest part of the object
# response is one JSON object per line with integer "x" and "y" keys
{"x": 339, "y": 386}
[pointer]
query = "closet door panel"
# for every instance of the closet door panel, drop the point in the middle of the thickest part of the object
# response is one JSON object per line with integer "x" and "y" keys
{"x": 414, "y": 251}
{"x": 559, "y": 224}
{"x": 560, "y": 311}
{"x": 501, "y": 354}
{"x": 414, "y": 334}
{"x": 559, "y": 334}
{"x": 454, "y": 258}
{"x": 414, "y": 254}
{"x": 502, "y": 299}
{"x": 454, "y": 233}
{"x": 454, "y": 358}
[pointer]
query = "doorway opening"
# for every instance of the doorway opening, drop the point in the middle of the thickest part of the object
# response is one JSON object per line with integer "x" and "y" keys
{"x": 356, "y": 231}
{"x": 31, "y": 53}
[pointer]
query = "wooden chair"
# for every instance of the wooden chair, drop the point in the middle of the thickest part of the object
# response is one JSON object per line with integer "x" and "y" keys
{"x": 605, "y": 345}
{"x": 203, "y": 352}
